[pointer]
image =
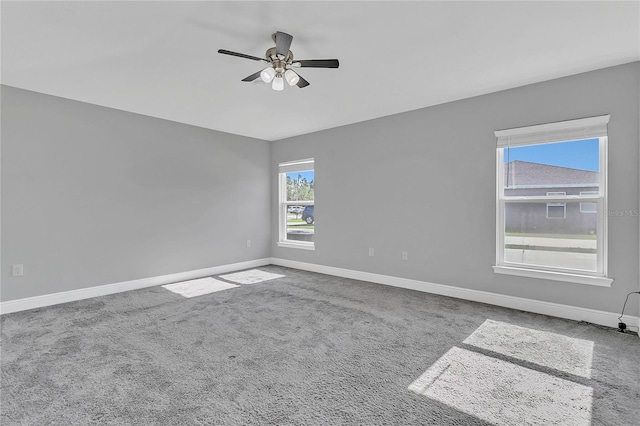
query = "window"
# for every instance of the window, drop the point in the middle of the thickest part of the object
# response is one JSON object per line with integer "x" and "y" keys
{"x": 296, "y": 181}
{"x": 556, "y": 210}
{"x": 548, "y": 177}
{"x": 588, "y": 207}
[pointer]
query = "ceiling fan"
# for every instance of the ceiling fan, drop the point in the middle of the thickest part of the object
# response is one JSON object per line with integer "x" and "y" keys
{"x": 281, "y": 62}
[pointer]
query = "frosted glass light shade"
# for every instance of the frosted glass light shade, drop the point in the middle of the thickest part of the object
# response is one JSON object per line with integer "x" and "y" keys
{"x": 292, "y": 77}
{"x": 267, "y": 74}
{"x": 278, "y": 83}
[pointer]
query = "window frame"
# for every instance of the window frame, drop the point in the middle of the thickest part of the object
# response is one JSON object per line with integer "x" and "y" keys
{"x": 283, "y": 204}
{"x": 588, "y": 128}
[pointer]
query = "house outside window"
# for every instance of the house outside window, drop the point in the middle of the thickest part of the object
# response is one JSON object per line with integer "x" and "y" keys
{"x": 548, "y": 177}
{"x": 296, "y": 204}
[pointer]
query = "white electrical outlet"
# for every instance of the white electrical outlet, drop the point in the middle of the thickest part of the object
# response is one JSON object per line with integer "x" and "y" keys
{"x": 371, "y": 251}
{"x": 248, "y": 243}
{"x": 17, "y": 270}
{"x": 405, "y": 255}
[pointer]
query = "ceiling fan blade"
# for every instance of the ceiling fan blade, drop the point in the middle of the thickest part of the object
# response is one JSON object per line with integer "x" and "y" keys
{"x": 241, "y": 55}
{"x": 318, "y": 63}
{"x": 283, "y": 43}
{"x": 302, "y": 82}
{"x": 253, "y": 76}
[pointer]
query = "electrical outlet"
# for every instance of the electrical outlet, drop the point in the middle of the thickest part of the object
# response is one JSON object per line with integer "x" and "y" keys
{"x": 17, "y": 270}
{"x": 405, "y": 255}
{"x": 371, "y": 251}
{"x": 248, "y": 243}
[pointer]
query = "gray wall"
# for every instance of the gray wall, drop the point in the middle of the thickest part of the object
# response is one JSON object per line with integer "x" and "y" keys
{"x": 94, "y": 196}
{"x": 424, "y": 181}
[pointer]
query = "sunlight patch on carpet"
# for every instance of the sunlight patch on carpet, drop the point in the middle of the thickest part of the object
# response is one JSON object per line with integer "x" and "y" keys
{"x": 198, "y": 287}
{"x": 250, "y": 277}
{"x": 503, "y": 393}
{"x": 551, "y": 350}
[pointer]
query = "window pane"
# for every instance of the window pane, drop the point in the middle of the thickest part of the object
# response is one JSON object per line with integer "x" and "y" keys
{"x": 300, "y": 218}
{"x": 556, "y": 211}
{"x": 300, "y": 223}
{"x": 570, "y": 167}
{"x": 588, "y": 207}
{"x": 547, "y": 234}
{"x": 300, "y": 186}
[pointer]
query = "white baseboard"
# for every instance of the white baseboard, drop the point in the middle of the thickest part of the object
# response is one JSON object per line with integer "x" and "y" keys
{"x": 609, "y": 319}
{"x": 103, "y": 290}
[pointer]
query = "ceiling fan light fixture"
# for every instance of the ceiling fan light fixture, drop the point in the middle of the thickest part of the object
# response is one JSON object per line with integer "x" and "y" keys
{"x": 280, "y": 61}
{"x": 292, "y": 77}
{"x": 278, "y": 83}
{"x": 267, "y": 74}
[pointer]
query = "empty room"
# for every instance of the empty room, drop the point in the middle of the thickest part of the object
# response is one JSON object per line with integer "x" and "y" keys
{"x": 477, "y": 260}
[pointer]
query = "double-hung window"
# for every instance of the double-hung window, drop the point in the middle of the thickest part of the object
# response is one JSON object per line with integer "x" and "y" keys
{"x": 296, "y": 205}
{"x": 552, "y": 201}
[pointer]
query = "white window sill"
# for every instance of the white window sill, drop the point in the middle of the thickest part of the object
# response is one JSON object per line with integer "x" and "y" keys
{"x": 302, "y": 246}
{"x": 553, "y": 275}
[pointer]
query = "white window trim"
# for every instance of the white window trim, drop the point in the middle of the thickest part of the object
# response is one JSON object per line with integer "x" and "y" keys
{"x": 584, "y": 128}
{"x": 283, "y": 204}
{"x": 587, "y": 128}
{"x": 303, "y": 245}
{"x": 553, "y": 275}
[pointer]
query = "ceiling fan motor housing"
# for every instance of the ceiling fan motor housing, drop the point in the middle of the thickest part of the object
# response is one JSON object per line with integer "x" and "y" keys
{"x": 274, "y": 58}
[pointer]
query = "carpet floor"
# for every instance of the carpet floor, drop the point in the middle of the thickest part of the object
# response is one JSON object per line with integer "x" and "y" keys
{"x": 310, "y": 349}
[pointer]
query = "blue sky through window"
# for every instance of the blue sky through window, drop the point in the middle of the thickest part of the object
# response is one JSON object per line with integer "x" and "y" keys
{"x": 307, "y": 175}
{"x": 581, "y": 154}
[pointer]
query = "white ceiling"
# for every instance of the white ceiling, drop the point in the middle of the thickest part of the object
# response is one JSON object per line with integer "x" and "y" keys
{"x": 160, "y": 58}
